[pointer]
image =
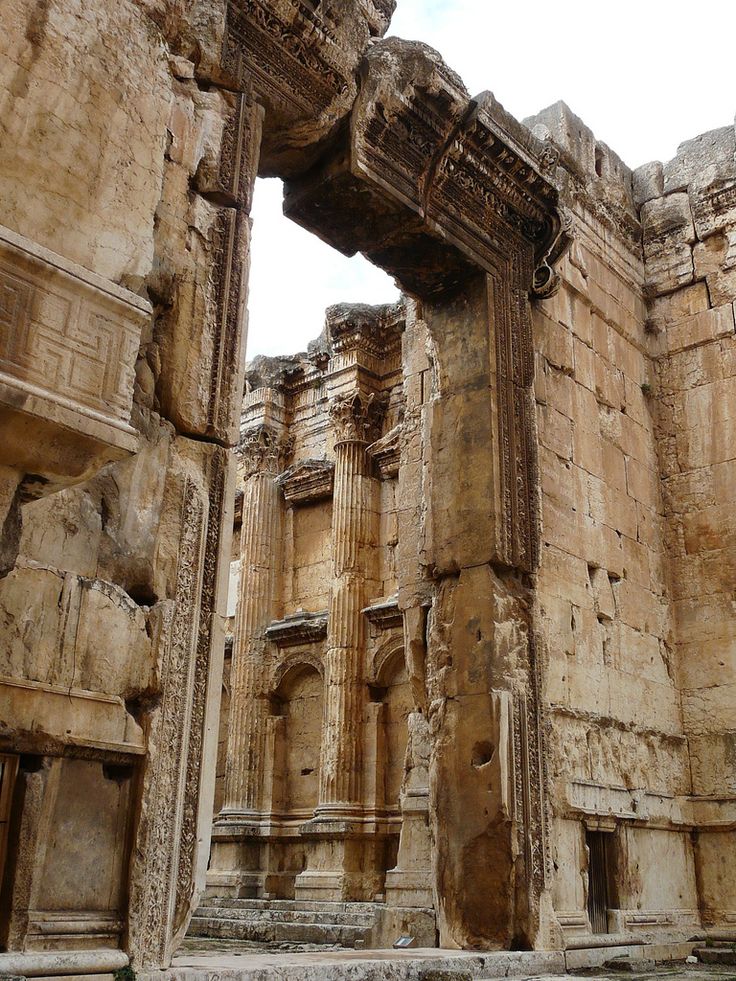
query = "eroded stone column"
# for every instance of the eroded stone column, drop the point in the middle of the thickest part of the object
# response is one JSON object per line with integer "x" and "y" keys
{"x": 262, "y": 451}
{"x": 354, "y": 417}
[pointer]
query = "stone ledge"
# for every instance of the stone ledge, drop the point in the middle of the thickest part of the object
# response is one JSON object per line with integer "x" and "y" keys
{"x": 72, "y": 716}
{"x": 378, "y": 965}
{"x": 46, "y": 963}
{"x": 298, "y": 628}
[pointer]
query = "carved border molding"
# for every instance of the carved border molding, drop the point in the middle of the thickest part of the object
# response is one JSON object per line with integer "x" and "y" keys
{"x": 163, "y": 875}
{"x": 157, "y": 850}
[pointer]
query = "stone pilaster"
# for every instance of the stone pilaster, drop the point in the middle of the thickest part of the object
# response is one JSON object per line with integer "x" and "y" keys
{"x": 262, "y": 451}
{"x": 354, "y": 417}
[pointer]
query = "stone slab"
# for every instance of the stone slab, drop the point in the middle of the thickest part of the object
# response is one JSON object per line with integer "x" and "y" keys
{"x": 594, "y": 957}
{"x": 374, "y": 965}
{"x": 62, "y": 963}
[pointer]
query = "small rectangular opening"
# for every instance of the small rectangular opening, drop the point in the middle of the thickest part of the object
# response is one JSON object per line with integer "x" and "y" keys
{"x": 598, "y": 893}
{"x": 8, "y": 771}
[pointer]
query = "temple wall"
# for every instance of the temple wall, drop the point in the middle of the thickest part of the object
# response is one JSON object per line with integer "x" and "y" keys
{"x": 113, "y": 582}
{"x": 689, "y": 219}
{"x": 567, "y": 672}
{"x": 87, "y": 92}
{"x": 618, "y": 754}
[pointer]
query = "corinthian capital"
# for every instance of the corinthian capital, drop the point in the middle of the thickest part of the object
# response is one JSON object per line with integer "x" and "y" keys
{"x": 263, "y": 449}
{"x": 356, "y": 418}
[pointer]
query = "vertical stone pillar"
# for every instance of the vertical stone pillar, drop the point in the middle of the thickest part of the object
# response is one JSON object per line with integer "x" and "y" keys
{"x": 354, "y": 417}
{"x": 262, "y": 451}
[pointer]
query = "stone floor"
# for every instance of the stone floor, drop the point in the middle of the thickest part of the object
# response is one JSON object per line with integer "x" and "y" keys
{"x": 242, "y": 961}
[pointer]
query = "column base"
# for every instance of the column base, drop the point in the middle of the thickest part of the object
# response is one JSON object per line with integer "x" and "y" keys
{"x": 409, "y": 888}
{"x": 341, "y": 870}
{"x": 235, "y": 885}
{"x": 236, "y": 869}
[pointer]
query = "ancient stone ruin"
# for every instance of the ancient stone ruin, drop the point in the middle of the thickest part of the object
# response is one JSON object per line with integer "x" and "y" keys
{"x": 481, "y": 670}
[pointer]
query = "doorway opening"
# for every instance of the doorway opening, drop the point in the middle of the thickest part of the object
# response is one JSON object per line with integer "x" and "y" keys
{"x": 599, "y": 845}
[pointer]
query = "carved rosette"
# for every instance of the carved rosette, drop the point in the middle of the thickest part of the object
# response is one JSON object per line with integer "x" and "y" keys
{"x": 263, "y": 450}
{"x": 356, "y": 418}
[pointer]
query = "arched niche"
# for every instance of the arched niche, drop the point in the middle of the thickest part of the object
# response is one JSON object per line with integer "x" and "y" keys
{"x": 392, "y": 688}
{"x": 298, "y": 700}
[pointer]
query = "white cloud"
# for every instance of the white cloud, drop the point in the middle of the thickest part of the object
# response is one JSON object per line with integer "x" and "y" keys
{"x": 294, "y": 276}
{"x": 643, "y": 74}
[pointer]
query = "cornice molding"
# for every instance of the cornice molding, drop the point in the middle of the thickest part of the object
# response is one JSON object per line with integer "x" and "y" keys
{"x": 298, "y": 628}
{"x": 386, "y": 453}
{"x": 308, "y": 481}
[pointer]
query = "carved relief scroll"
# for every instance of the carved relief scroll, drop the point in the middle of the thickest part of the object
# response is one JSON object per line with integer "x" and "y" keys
{"x": 175, "y": 783}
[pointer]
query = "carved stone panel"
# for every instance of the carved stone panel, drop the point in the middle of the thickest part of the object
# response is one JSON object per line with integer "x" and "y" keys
{"x": 177, "y": 783}
{"x": 68, "y": 346}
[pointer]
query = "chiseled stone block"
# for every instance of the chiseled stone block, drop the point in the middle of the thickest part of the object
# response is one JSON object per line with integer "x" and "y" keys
{"x": 68, "y": 346}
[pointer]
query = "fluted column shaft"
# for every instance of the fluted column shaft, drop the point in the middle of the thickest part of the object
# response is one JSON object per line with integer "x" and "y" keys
{"x": 259, "y": 545}
{"x": 341, "y": 768}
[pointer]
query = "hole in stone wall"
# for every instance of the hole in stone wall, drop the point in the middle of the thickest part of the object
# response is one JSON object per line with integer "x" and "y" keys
{"x": 482, "y": 754}
{"x": 142, "y": 594}
{"x": 599, "y": 161}
{"x": 119, "y": 772}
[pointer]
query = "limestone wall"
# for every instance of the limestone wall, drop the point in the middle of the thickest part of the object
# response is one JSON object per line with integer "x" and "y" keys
{"x": 632, "y": 412}
{"x": 689, "y": 218}
{"x": 113, "y": 588}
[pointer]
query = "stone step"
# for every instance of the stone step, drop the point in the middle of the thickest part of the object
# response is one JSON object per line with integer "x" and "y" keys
{"x": 311, "y": 905}
{"x": 722, "y": 952}
{"x": 285, "y": 915}
{"x": 264, "y": 930}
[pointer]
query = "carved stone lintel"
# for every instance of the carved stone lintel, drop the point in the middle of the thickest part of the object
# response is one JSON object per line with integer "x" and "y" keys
{"x": 262, "y": 449}
{"x": 298, "y": 628}
{"x": 450, "y": 182}
{"x": 301, "y": 58}
{"x": 355, "y": 417}
{"x": 308, "y": 481}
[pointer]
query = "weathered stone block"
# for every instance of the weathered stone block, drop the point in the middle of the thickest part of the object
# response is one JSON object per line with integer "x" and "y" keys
{"x": 701, "y": 159}
{"x": 648, "y": 182}
{"x": 715, "y": 261}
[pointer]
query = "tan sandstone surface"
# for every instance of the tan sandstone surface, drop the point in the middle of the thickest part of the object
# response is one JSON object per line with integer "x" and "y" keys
{"x": 471, "y": 557}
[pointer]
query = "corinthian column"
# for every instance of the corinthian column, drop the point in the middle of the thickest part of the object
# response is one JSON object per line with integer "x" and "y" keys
{"x": 354, "y": 418}
{"x": 261, "y": 451}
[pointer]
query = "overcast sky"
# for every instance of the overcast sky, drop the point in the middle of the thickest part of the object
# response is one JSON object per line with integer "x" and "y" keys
{"x": 643, "y": 74}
